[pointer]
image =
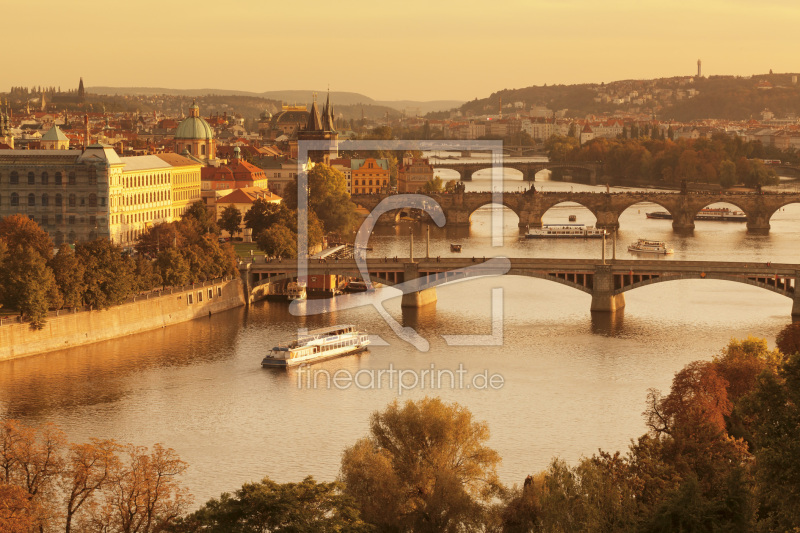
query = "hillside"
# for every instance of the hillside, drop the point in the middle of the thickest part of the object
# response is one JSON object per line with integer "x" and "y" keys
{"x": 679, "y": 98}
{"x": 339, "y": 98}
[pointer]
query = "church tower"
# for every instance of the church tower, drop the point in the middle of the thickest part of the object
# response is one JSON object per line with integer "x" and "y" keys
{"x": 81, "y": 92}
{"x": 320, "y": 127}
{"x": 699, "y": 72}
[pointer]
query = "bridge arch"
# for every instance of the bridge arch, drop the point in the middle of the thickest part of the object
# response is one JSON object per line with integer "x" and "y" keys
{"x": 666, "y": 206}
{"x": 576, "y": 207}
{"x": 694, "y": 212}
{"x": 778, "y": 285}
{"x": 793, "y": 202}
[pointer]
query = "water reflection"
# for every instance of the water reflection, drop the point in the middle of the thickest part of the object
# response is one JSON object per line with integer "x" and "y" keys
{"x": 608, "y": 324}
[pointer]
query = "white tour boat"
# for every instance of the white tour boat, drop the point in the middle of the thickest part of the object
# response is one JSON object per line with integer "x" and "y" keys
{"x": 650, "y": 247}
{"x": 565, "y": 231}
{"x": 296, "y": 290}
{"x": 317, "y": 345}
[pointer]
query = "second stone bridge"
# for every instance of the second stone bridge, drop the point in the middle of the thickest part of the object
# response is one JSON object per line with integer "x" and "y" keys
{"x": 530, "y": 206}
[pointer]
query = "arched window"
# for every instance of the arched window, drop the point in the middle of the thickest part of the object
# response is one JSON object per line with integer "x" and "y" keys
{"x": 31, "y": 199}
{"x": 59, "y": 238}
{"x": 72, "y": 199}
{"x": 14, "y": 199}
{"x": 92, "y": 200}
{"x": 71, "y": 179}
{"x": 202, "y": 149}
{"x": 14, "y": 178}
{"x": 45, "y": 199}
{"x": 71, "y": 238}
{"x": 92, "y": 175}
{"x": 31, "y": 178}
{"x": 59, "y": 200}
{"x": 58, "y": 182}
{"x": 45, "y": 178}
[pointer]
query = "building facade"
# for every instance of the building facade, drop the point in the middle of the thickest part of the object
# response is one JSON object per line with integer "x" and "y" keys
{"x": 369, "y": 175}
{"x": 83, "y": 195}
{"x": 413, "y": 174}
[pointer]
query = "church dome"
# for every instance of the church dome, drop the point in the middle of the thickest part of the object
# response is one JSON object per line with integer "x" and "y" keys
{"x": 194, "y": 126}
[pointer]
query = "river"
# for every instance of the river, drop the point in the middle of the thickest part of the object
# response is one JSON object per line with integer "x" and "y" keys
{"x": 573, "y": 382}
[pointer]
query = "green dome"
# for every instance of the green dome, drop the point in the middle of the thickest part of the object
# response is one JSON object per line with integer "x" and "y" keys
{"x": 194, "y": 128}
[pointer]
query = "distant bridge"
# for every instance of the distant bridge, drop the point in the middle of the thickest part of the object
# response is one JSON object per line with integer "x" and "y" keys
{"x": 531, "y": 206}
{"x": 529, "y": 169}
{"x": 606, "y": 283}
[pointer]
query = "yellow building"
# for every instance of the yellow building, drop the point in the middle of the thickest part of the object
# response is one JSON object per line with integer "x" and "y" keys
{"x": 369, "y": 175}
{"x": 186, "y": 182}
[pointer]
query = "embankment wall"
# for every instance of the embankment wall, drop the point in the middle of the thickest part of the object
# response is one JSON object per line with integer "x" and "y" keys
{"x": 75, "y": 329}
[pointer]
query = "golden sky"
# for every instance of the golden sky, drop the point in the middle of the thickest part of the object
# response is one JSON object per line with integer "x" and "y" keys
{"x": 412, "y": 49}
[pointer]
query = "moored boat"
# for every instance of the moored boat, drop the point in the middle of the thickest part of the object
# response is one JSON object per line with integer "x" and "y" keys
{"x": 296, "y": 290}
{"x": 317, "y": 345}
{"x": 565, "y": 231}
{"x": 650, "y": 247}
{"x": 709, "y": 213}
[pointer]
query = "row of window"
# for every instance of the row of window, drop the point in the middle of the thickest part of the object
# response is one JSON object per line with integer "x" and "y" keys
{"x": 377, "y": 182}
{"x": 46, "y": 220}
{"x": 72, "y": 200}
{"x": 44, "y": 177}
{"x": 159, "y": 196}
{"x": 190, "y": 299}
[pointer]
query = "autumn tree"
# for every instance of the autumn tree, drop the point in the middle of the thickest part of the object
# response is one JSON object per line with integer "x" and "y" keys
{"x": 69, "y": 275}
{"x": 143, "y": 495}
{"x": 433, "y": 185}
{"x": 19, "y": 230}
{"x": 161, "y": 236}
{"x": 263, "y": 214}
{"x": 87, "y": 471}
{"x": 424, "y": 468}
{"x": 788, "y": 339}
{"x": 230, "y": 220}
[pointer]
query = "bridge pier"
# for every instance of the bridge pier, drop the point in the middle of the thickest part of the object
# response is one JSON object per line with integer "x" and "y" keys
{"x": 607, "y": 220}
{"x": 758, "y": 224}
{"x": 603, "y": 297}
{"x": 796, "y": 299}
{"x": 419, "y": 298}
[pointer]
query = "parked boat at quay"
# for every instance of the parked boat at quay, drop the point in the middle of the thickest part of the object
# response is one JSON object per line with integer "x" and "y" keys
{"x": 317, "y": 345}
{"x": 296, "y": 290}
{"x": 565, "y": 231}
{"x": 650, "y": 247}
{"x": 709, "y": 213}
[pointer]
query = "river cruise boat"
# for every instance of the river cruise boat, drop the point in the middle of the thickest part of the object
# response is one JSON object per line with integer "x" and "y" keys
{"x": 317, "y": 345}
{"x": 650, "y": 247}
{"x": 709, "y": 213}
{"x": 565, "y": 231}
{"x": 296, "y": 290}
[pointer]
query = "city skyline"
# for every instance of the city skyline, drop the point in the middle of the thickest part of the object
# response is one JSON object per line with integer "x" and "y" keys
{"x": 431, "y": 51}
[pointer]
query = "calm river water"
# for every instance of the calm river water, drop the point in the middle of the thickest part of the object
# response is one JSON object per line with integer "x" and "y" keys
{"x": 573, "y": 382}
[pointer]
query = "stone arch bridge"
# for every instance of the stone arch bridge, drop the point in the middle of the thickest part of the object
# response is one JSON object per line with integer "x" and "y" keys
{"x": 606, "y": 283}
{"x": 607, "y": 207}
{"x": 529, "y": 170}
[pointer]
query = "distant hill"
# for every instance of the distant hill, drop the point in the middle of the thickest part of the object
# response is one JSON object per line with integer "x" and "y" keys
{"x": 299, "y": 96}
{"x": 679, "y": 98}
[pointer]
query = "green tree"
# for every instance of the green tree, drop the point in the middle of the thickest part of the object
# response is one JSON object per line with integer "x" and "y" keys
{"x": 278, "y": 241}
{"x": 424, "y": 468}
{"x": 433, "y": 185}
{"x": 305, "y": 507}
{"x": 328, "y": 198}
{"x": 230, "y": 220}
{"x": 787, "y": 341}
{"x": 727, "y": 174}
{"x": 70, "y": 275}
{"x": 28, "y": 285}
{"x": 145, "y": 274}
{"x": 162, "y": 236}
{"x": 263, "y": 214}
{"x": 199, "y": 212}
{"x": 174, "y": 269}
{"x": 773, "y": 410}
{"x": 110, "y": 277}
{"x": 19, "y": 230}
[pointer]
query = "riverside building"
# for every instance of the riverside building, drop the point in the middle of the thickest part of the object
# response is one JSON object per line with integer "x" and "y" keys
{"x": 83, "y": 195}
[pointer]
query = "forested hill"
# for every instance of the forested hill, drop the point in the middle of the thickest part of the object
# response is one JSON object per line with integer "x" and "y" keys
{"x": 680, "y": 98}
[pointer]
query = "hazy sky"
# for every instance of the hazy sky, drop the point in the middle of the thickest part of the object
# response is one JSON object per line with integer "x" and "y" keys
{"x": 411, "y": 49}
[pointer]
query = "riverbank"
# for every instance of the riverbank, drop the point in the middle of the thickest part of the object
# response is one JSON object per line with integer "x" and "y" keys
{"x": 143, "y": 314}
